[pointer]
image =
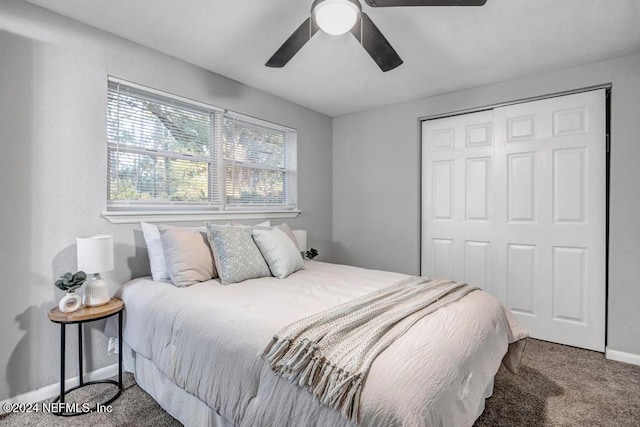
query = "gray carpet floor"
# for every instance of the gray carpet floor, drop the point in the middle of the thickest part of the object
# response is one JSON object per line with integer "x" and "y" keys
{"x": 556, "y": 386}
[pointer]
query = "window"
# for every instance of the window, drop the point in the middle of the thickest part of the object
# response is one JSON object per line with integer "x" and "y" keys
{"x": 171, "y": 154}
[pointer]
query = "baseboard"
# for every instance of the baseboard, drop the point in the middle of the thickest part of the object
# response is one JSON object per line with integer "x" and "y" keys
{"x": 53, "y": 390}
{"x": 621, "y": 356}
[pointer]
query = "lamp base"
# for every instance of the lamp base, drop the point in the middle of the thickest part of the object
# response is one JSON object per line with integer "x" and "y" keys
{"x": 96, "y": 292}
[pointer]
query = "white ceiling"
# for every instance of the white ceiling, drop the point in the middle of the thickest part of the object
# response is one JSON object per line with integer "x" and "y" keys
{"x": 444, "y": 48}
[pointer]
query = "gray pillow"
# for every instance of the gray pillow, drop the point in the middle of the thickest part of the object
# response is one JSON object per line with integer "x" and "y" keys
{"x": 236, "y": 255}
{"x": 279, "y": 251}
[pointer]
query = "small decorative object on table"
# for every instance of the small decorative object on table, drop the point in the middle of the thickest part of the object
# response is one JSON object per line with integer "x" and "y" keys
{"x": 301, "y": 237}
{"x": 70, "y": 282}
{"x": 311, "y": 253}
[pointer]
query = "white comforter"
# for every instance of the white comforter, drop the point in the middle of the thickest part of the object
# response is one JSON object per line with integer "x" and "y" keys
{"x": 206, "y": 339}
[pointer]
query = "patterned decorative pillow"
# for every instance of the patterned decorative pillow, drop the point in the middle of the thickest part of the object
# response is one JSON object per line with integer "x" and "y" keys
{"x": 279, "y": 251}
{"x": 236, "y": 255}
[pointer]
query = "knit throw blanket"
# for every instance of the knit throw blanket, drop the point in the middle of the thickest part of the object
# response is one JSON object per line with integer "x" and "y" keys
{"x": 330, "y": 353}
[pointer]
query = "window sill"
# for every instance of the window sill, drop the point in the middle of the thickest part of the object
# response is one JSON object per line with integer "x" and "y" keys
{"x": 132, "y": 217}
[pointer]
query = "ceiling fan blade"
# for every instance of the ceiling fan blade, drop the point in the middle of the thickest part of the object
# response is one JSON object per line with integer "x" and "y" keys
{"x": 397, "y": 3}
{"x": 293, "y": 44}
{"x": 376, "y": 45}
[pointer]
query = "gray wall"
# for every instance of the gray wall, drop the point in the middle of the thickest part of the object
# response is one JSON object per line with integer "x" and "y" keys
{"x": 376, "y": 178}
{"x": 53, "y": 172}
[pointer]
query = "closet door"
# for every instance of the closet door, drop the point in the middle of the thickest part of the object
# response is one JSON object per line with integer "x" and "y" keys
{"x": 528, "y": 207}
{"x": 458, "y": 198}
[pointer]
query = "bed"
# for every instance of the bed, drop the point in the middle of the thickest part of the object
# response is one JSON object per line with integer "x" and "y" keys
{"x": 197, "y": 351}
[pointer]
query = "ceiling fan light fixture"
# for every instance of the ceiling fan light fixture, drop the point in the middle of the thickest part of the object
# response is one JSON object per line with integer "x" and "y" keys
{"x": 336, "y": 17}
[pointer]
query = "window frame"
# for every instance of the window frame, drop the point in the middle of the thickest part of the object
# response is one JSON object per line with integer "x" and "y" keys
{"x": 213, "y": 209}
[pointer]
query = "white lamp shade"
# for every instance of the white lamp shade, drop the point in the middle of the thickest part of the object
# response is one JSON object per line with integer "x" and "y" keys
{"x": 95, "y": 253}
{"x": 336, "y": 17}
{"x": 301, "y": 238}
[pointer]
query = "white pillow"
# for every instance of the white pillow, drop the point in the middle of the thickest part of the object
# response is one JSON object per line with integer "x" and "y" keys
{"x": 156, "y": 253}
{"x": 281, "y": 254}
{"x": 188, "y": 255}
{"x": 284, "y": 227}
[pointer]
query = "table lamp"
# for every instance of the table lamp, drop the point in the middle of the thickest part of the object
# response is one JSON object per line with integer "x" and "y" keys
{"x": 95, "y": 256}
{"x": 301, "y": 238}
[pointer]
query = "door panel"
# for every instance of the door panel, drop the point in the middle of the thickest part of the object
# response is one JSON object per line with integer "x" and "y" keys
{"x": 514, "y": 202}
{"x": 521, "y": 279}
{"x": 569, "y": 284}
{"x": 521, "y": 187}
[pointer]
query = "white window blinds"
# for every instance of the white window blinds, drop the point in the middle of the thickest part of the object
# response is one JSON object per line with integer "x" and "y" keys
{"x": 259, "y": 165}
{"x": 172, "y": 154}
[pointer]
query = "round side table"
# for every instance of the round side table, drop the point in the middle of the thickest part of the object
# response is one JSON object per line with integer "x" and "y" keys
{"x": 87, "y": 314}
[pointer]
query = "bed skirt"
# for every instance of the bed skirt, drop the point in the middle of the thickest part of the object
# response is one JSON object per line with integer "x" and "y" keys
{"x": 183, "y": 406}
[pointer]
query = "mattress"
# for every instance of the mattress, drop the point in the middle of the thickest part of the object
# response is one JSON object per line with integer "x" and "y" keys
{"x": 206, "y": 340}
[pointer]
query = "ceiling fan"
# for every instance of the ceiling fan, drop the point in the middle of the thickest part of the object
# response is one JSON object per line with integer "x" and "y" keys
{"x": 336, "y": 17}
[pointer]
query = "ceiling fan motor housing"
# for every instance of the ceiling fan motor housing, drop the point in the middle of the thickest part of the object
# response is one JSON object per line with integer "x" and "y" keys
{"x": 336, "y": 16}
{"x": 356, "y": 3}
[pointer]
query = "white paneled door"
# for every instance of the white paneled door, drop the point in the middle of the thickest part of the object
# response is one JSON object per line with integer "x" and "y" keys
{"x": 514, "y": 202}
